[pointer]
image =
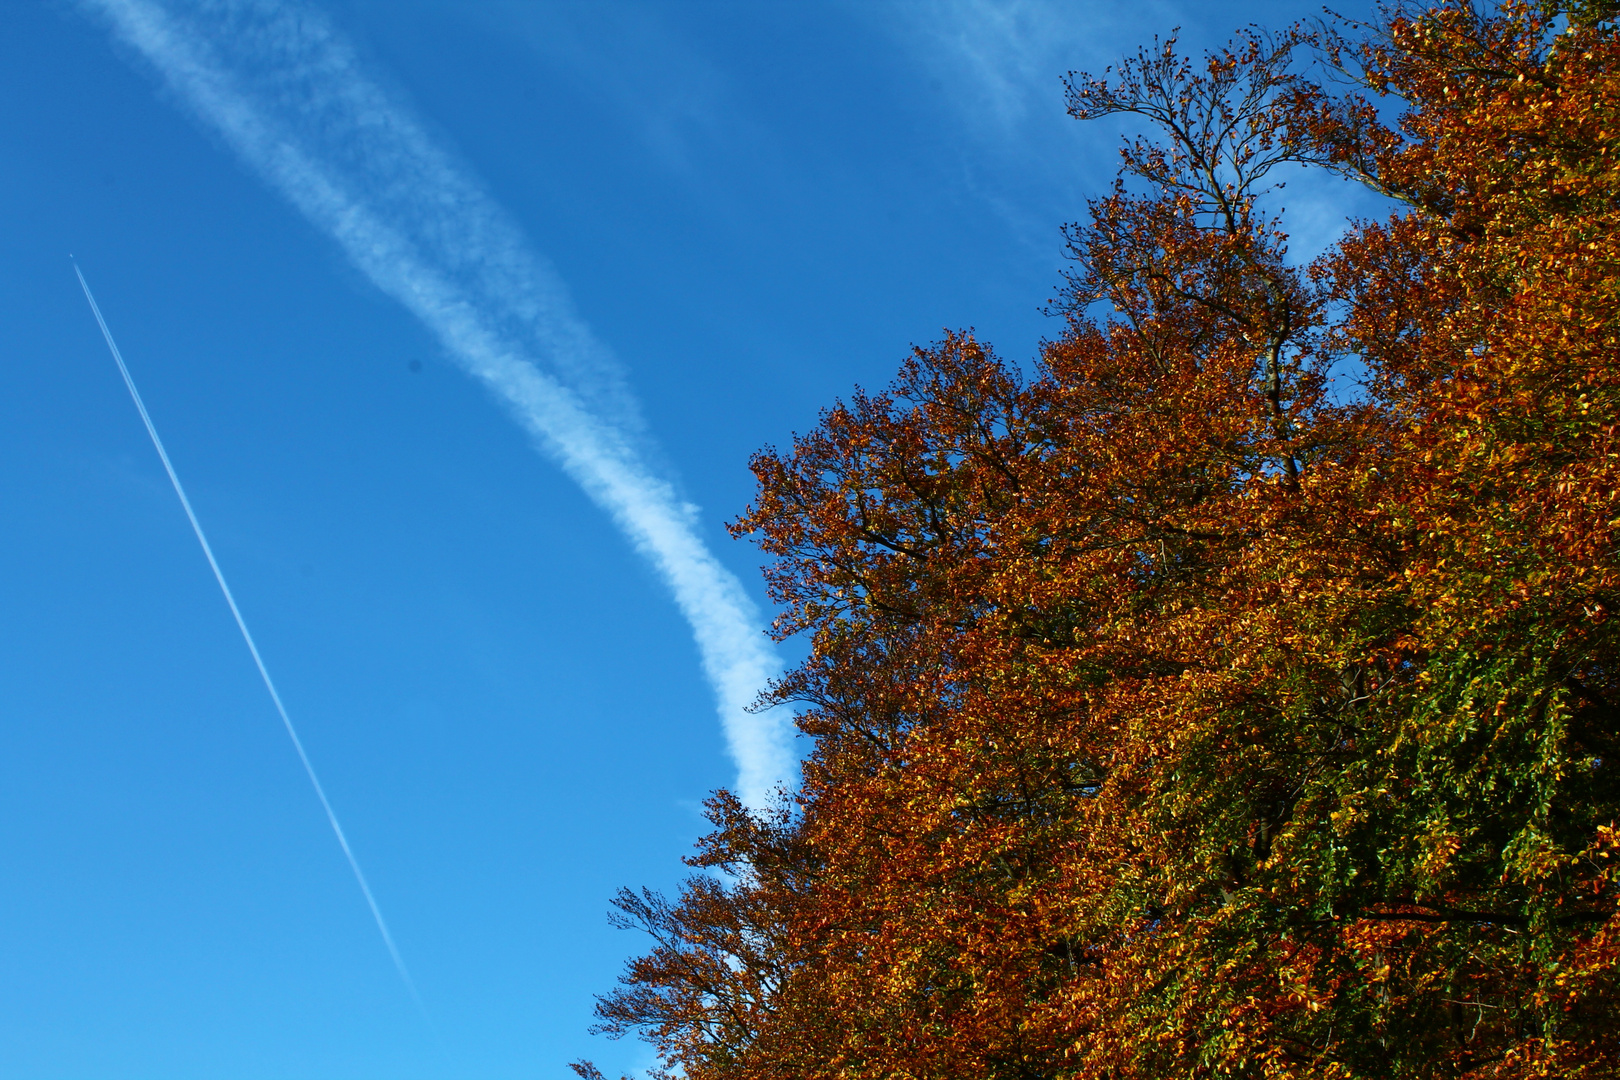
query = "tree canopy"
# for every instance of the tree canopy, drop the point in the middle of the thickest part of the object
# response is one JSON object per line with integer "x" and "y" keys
{"x": 1176, "y": 712}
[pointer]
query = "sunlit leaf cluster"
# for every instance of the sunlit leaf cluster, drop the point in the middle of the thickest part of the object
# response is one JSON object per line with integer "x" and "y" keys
{"x": 1174, "y": 710}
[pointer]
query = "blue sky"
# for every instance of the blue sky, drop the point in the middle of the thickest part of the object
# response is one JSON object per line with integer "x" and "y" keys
{"x": 748, "y": 207}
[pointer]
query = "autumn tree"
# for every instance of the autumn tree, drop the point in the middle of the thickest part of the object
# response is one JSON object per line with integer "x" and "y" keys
{"x": 1172, "y": 716}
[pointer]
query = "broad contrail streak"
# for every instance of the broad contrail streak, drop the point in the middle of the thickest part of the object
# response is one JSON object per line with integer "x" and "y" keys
{"x": 287, "y": 93}
{"x": 241, "y": 624}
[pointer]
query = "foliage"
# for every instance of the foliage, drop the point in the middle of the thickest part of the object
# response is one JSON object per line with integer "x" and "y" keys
{"x": 1173, "y": 715}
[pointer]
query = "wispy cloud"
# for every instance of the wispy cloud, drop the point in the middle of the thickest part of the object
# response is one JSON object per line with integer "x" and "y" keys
{"x": 1001, "y": 63}
{"x": 1002, "y": 59}
{"x": 288, "y": 94}
{"x": 998, "y": 66}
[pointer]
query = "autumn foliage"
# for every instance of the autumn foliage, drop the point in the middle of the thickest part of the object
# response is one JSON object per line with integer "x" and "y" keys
{"x": 1233, "y": 690}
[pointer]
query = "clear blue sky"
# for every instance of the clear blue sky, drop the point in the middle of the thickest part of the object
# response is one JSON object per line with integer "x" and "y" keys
{"x": 754, "y": 206}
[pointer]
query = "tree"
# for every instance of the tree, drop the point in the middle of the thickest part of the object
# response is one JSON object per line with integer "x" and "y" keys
{"x": 1171, "y": 717}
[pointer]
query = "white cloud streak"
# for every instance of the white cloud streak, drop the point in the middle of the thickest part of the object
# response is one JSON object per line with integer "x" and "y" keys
{"x": 253, "y": 648}
{"x": 287, "y": 93}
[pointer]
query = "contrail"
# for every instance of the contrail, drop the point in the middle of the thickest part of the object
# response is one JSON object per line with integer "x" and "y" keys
{"x": 287, "y": 93}
{"x": 264, "y": 672}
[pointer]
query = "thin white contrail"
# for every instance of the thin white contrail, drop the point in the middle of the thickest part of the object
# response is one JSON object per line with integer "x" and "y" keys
{"x": 287, "y": 93}
{"x": 241, "y": 624}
